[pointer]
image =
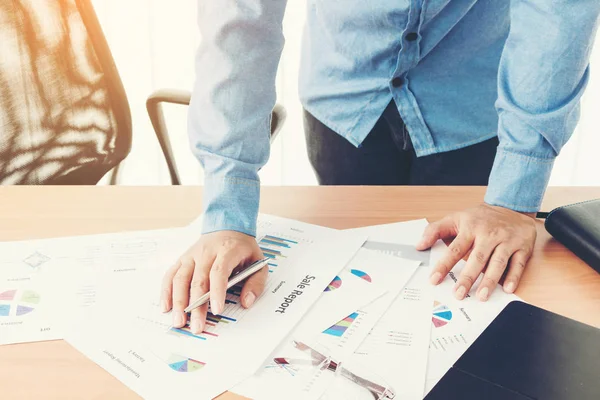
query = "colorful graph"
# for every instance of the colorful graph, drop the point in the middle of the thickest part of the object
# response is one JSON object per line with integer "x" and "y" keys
{"x": 213, "y": 321}
{"x": 442, "y": 315}
{"x": 361, "y": 275}
{"x": 335, "y": 284}
{"x": 186, "y": 331}
{"x": 218, "y": 319}
{"x": 287, "y": 368}
{"x": 18, "y": 303}
{"x": 274, "y": 248}
{"x": 4, "y": 310}
{"x": 341, "y": 327}
{"x": 8, "y": 295}
{"x": 183, "y": 364}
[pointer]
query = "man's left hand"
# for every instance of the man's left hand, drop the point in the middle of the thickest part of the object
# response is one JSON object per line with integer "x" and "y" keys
{"x": 493, "y": 238}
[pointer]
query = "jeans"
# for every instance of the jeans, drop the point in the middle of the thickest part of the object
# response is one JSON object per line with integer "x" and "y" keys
{"x": 386, "y": 157}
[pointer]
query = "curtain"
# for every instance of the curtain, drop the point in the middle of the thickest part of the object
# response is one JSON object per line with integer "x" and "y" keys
{"x": 154, "y": 43}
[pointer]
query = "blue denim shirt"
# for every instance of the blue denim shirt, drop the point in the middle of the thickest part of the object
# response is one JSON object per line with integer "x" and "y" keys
{"x": 459, "y": 71}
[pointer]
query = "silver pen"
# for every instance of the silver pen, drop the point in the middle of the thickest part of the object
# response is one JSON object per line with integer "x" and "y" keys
{"x": 236, "y": 278}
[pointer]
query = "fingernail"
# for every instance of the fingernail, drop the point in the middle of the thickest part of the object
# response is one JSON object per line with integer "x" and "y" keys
{"x": 435, "y": 278}
{"x": 510, "y": 287}
{"x": 163, "y": 306}
{"x": 196, "y": 327}
{"x": 216, "y": 308}
{"x": 461, "y": 292}
{"x": 179, "y": 319}
{"x": 249, "y": 299}
{"x": 484, "y": 294}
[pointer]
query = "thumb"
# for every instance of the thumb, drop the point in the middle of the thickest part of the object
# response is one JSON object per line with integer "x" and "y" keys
{"x": 437, "y": 230}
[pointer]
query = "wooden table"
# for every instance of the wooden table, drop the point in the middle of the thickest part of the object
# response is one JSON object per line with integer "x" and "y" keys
{"x": 555, "y": 279}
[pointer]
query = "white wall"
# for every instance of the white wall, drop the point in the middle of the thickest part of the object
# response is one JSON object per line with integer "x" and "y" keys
{"x": 154, "y": 42}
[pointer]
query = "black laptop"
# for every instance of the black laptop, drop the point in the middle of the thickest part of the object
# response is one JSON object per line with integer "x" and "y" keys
{"x": 527, "y": 354}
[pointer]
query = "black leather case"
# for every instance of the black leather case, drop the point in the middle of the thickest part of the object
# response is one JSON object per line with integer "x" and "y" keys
{"x": 527, "y": 354}
{"x": 577, "y": 227}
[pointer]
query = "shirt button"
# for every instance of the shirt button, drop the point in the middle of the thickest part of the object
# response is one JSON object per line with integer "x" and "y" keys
{"x": 397, "y": 82}
{"x": 411, "y": 37}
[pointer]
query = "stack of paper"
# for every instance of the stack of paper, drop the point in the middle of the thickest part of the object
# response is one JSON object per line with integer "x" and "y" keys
{"x": 340, "y": 308}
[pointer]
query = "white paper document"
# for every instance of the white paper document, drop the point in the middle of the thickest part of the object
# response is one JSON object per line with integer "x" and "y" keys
{"x": 155, "y": 372}
{"x": 288, "y": 371}
{"x": 304, "y": 261}
{"x": 394, "y": 354}
{"x": 24, "y": 314}
{"x": 360, "y": 297}
{"x": 345, "y": 336}
{"x": 370, "y": 279}
{"x": 44, "y": 281}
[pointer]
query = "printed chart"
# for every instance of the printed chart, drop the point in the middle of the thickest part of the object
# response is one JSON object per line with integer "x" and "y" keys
{"x": 342, "y": 326}
{"x": 20, "y": 262}
{"x": 36, "y": 260}
{"x": 17, "y": 303}
{"x": 442, "y": 315}
{"x": 214, "y": 323}
{"x": 285, "y": 368}
{"x": 183, "y": 364}
{"x": 361, "y": 275}
{"x": 336, "y": 283}
{"x": 274, "y": 248}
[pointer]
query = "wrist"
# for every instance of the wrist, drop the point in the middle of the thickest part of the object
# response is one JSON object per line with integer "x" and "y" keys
{"x": 529, "y": 214}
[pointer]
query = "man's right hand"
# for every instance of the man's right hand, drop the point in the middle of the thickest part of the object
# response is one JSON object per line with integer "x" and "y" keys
{"x": 206, "y": 266}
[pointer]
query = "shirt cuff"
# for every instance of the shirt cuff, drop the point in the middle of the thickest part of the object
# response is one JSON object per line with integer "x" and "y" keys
{"x": 230, "y": 204}
{"x": 518, "y": 182}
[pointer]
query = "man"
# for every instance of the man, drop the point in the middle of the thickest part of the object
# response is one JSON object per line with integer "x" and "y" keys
{"x": 396, "y": 92}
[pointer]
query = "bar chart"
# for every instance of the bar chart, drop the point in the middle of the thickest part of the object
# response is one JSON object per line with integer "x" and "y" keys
{"x": 215, "y": 323}
{"x": 274, "y": 248}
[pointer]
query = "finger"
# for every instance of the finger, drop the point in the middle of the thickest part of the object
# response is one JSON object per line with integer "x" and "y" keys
{"x": 475, "y": 264}
{"x": 200, "y": 285}
{"x": 516, "y": 266}
{"x": 495, "y": 269}
{"x": 221, "y": 269}
{"x": 453, "y": 254}
{"x": 254, "y": 287}
{"x": 181, "y": 291}
{"x": 166, "y": 291}
{"x": 438, "y": 230}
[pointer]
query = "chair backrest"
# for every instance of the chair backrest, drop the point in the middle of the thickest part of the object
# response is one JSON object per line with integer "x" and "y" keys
{"x": 64, "y": 115}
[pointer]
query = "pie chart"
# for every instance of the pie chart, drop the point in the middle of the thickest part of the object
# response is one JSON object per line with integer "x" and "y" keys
{"x": 361, "y": 275}
{"x": 183, "y": 364}
{"x": 335, "y": 284}
{"x": 442, "y": 315}
{"x": 17, "y": 303}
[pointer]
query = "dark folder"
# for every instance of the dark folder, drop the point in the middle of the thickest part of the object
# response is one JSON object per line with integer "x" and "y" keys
{"x": 577, "y": 226}
{"x": 527, "y": 354}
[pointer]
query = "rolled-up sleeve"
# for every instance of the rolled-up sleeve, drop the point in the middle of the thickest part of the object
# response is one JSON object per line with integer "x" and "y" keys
{"x": 543, "y": 73}
{"x": 230, "y": 112}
